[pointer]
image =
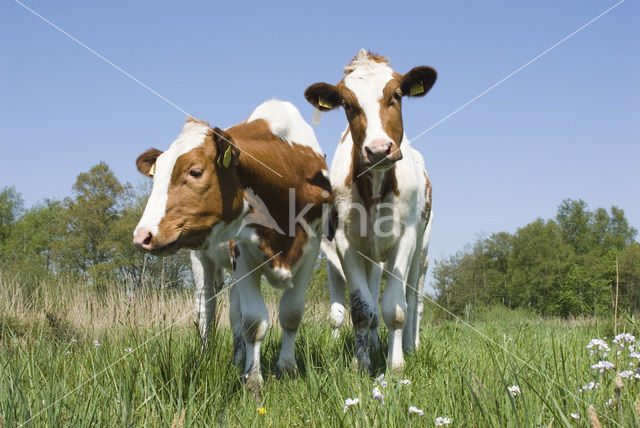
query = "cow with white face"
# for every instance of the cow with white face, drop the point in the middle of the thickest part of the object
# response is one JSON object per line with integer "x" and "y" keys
{"x": 382, "y": 199}
{"x": 248, "y": 198}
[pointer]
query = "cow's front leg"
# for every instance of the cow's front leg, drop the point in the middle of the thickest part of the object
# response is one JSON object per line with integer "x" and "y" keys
{"x": 291, "y": 310}
{"x": 208, "y": 280}
{"x": 354, "y": 266}
{"x": 255, "y": 318}
{"x": 394, "y": 305}
{"x": 374, "y": 277}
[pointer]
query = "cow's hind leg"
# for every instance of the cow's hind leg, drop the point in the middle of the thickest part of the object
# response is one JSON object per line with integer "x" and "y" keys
{"x": 235, "y": 318}
{"x": 291, "y": 310}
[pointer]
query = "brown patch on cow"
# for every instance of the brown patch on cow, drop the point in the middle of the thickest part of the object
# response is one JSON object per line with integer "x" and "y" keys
{"x": 391, "y": 112}
{"x": 301, "y": 169}
{"x": 426, "y": 213}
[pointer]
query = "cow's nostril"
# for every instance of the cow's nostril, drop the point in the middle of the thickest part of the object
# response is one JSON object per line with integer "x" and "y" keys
{"x": 388, "y": 150}
{"x": 147, "y": 240}
{"x": 368, "y": 150}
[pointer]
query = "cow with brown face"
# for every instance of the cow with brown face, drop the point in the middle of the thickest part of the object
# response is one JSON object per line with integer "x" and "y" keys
{"x": 248, "y": 198}
{"x": 382, "y": 198}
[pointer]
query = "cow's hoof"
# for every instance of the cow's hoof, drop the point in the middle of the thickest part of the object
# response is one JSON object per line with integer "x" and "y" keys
{"x": 253, "y": 381}
{"x": 397, "y": 367}
{"x": 286, "y": 369}
{"x": 363, "y": 364}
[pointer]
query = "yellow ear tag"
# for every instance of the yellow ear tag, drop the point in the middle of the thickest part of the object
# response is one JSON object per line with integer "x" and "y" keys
{"x": 417, "y": 88}
{"x": 152, "y": 170}
{"x": 227, "y": 158}
{"x": 324, "y": 103}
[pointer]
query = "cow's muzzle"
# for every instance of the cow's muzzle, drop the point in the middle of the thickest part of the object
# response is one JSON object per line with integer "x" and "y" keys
{"x": 143, "y": 239}
{"x": 381, "y": 153}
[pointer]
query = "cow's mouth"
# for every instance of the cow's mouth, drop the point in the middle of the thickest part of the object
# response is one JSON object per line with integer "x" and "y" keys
{"x": 166, "y": 249}
{"x": 385, "y": 163}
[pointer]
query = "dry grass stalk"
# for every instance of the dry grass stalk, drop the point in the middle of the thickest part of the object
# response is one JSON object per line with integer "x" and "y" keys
{"x": 593, "y": 418}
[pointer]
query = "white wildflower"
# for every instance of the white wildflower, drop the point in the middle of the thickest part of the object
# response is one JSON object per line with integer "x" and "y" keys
{"x": 414, "y": 409}
{"x": 575, "y": 416}
{"x": 377, "y": 395}
{"x": 598, "y": 345}
{"x": 440, "y": 421}
{"x": 514, "y": 390}
{"x": 610, "y": 402}
{"x": 404, "y": 381}
{"x": 635, "y": 355}
{"x": 590, "y": 386}
{"x": 350, "y": 402}
{"x": 128, "y": 350}
{"x": 96, "y": 343}
{"x": 380, "y": 382}
{"x": 602, "y": 366}
{"x": 623, "y": 338}
{"x": 627, "y": 374}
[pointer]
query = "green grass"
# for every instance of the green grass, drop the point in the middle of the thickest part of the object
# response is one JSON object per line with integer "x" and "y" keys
{"x": 48, "y": 378}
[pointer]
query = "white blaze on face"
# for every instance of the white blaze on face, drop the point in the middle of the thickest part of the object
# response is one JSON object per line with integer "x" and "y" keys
{"x": 367, "y": 79}
{"x": 192, "y": 136}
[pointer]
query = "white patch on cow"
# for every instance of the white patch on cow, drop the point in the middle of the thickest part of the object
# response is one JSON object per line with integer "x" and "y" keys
{"x": 192, "y": 136}
{"x": 286, "y": 122}
{"x": 367, "y": 78}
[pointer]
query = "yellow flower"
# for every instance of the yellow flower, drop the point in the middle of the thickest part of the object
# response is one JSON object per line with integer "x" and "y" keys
{"x": 261, "y": 410}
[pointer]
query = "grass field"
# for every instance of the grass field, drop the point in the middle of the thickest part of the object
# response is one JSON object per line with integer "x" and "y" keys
{"x": 77, "y": 358}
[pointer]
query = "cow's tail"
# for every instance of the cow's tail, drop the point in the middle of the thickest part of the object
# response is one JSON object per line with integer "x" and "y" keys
{"x": 337, "y": 285}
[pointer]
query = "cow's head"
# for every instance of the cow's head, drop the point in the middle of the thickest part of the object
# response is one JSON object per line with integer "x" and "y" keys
{"x": 371, "y": 94}
{"x": 195, "y": 187}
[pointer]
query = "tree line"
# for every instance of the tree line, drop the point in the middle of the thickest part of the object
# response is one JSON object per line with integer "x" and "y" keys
{"x": 569, "y": 265}
{"x": 85, "y": 237}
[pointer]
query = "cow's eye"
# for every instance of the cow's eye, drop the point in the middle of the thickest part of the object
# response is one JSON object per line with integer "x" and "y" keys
{"x": 195, "y": 172}
{"x": 397, "y": 96}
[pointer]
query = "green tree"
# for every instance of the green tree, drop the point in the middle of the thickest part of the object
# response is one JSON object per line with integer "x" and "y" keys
{"x": 29, "y": 246}
{"x": 11, "y": 207}
{"x": 87, "y": 245}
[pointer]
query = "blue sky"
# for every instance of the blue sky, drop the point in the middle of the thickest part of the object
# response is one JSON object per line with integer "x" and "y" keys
{"x": 565, "y": 126}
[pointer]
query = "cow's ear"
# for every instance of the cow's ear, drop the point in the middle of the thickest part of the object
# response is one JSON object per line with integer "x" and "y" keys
{"x": 418, "y": 81}
{"x": 323, "y": 96}
{"x": 146, "y": 162}
{"x": 226, "y": 150}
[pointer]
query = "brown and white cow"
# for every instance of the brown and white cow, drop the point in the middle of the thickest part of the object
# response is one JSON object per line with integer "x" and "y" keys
{"x": 260, "y": 184}
{"x": 382, "y": 199}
